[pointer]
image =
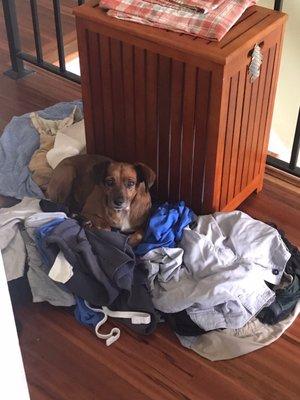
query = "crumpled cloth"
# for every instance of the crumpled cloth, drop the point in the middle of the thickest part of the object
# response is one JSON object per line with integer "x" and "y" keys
{"x": 68, "y": 142}
{"x": 162, "y": 14}
{"x": 230, "y": 343}
{"x": 17, "y": 144}
{"x": 165, "y": 227}
{"x": 38, "y": 166}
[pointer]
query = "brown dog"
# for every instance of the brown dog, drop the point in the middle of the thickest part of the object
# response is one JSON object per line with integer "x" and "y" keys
{"x": 106, "y": 193}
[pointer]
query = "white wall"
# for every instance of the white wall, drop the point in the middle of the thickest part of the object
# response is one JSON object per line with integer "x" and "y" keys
{"x": 288, "y": 91}
{"x": 13, "y": 384}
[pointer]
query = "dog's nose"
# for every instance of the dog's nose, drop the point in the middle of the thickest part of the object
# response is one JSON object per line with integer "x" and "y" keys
{"x": 119, "y": 201}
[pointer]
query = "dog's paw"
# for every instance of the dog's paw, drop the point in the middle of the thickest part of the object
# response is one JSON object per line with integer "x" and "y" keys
{"x": 135, "y": 239}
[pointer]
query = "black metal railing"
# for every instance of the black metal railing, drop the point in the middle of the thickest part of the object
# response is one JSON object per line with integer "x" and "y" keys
{"x": 18, "y": 57}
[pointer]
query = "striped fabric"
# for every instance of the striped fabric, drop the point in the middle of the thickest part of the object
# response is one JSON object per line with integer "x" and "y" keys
{"x": 212, "y": 25}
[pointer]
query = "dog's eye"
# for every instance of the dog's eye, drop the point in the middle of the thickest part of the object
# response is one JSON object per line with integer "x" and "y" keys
{"x": 130, "y": 184}
{"x": 109, "y": 182}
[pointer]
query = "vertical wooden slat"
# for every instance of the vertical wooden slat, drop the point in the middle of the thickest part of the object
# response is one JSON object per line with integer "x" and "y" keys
{"x": 108, "y": 119}
{"x": 249, "y": 137}
{"x": 118, "y": 100}
{"x": 82, "y": 36}
{"x": 229, "y": 139}
{"x": 140, "y": 103}
{"x": 236, "y": 136}
{"x": 190, "y": 75}
{"x": 176, "y": 129}
{"x": 96, "y": 93}
{"x": 215, "y": 137}
{"x": 257, "y": 131}
{"x": 201, "y": 118}
{"x": 243, "y": 133}
{"x": 271, "y": 98}
{"x": 128, "y": 88}
{"x": 151, "y": 113}
{"x": 264, "y": 118}
{"x": 164, "y": 83}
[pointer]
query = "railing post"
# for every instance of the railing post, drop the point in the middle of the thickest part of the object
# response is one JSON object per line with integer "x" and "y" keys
{"x": 296, "y": 145}
{"x": 278, "y": 5}
{"x": 17, "y": 70}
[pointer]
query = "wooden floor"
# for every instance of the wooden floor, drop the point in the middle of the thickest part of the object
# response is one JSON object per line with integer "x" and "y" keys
{"x": 64, "y": 361}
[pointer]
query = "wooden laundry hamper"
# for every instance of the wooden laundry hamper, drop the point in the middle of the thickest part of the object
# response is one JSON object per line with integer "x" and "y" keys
{"x": 183, "y": 105}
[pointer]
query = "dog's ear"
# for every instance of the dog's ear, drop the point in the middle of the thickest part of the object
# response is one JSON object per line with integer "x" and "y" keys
{"x": 145, "y": 174}
{"x": 100, "y": 171}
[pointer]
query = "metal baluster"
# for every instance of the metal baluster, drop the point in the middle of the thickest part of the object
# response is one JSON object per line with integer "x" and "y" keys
{"x": 36, "y": 30}
{"x": 18, "y": 69}
{"x": 59, "y": 36}
{"x": 296, "y": 145}
{"x": 278, "y": 5}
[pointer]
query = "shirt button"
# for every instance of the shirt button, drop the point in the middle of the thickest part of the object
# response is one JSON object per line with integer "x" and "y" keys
{"x": 275, "y": 271}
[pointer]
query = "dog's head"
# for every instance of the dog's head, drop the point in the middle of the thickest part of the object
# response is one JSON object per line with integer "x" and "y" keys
{"x": 121, "y": 182}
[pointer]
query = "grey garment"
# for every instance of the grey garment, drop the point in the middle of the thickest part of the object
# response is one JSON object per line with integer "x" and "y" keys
{"x": 11, "y": 242}
{"x": 230, "y": 343}
{"x": 164, "y": 264}
{"x": 227, "y": 259}
{"x": 17, "y": 145}
{"x": 42, "y": 287}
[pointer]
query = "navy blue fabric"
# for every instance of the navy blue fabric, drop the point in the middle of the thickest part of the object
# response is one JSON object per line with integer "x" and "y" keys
{"x": 88, "y": 281}
{"x": 42, "y": 232}
{"x": 85, "y": 315}
{"x": 165, "y": 227}
{"x": 104, "y": 270}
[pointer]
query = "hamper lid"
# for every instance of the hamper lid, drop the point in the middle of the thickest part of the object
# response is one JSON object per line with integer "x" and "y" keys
{"x": 253, "y": 24}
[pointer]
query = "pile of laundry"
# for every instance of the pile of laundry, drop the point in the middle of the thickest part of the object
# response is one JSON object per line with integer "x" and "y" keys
{"x": 33, "y": 144}
{"x": 67, "y": 264}
{"x": 210, "y": 19}
{"x": 226, "y": 284}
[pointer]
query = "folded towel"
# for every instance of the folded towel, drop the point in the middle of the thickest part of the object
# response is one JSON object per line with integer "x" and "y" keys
{"x": 162, "y": 14}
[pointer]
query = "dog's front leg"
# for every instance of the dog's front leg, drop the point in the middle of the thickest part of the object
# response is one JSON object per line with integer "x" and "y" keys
{"x": 136, "y": 238}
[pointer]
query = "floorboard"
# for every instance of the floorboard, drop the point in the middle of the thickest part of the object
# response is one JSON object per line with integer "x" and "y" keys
{"x": 65, "y": 361}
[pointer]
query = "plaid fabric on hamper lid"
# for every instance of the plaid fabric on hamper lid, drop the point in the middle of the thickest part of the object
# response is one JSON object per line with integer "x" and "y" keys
{"x": 200, "y": 5}
{"x": 162, "y": 14}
